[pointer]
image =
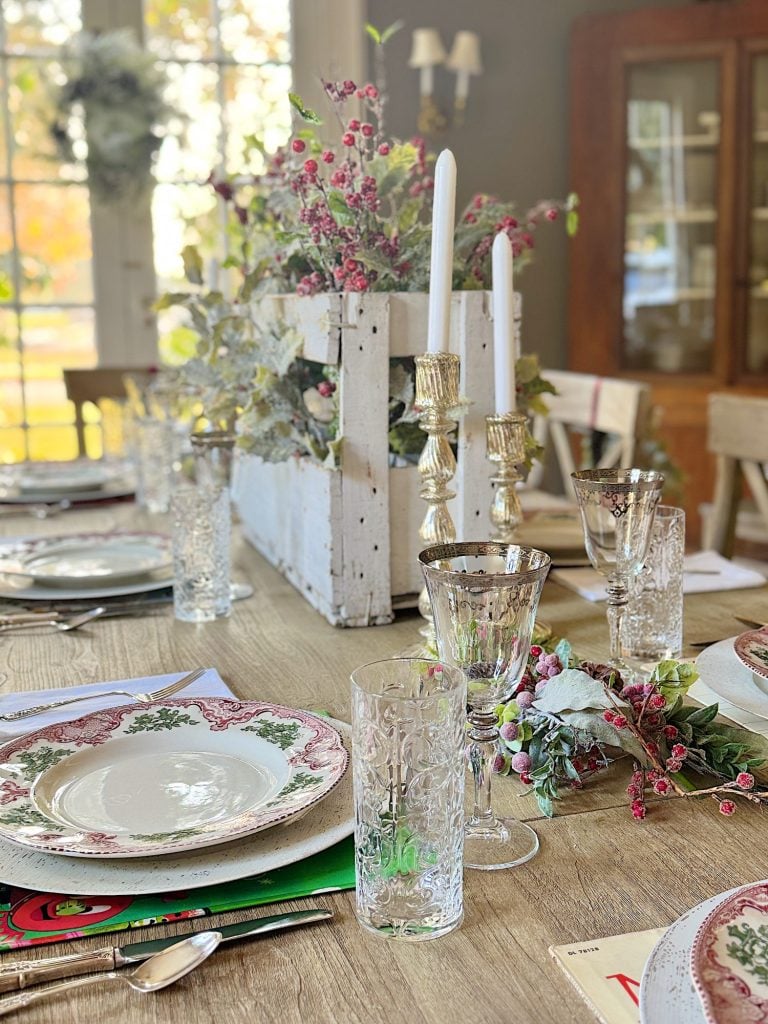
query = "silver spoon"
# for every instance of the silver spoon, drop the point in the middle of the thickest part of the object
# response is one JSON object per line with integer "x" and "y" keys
{"x": 63, "y": 625}
{"x": 155, "y": 973}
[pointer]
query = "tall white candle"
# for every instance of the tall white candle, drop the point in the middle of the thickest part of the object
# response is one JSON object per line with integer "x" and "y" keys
{"x": 441, "y": 261}
{"x": 503, "y": 324}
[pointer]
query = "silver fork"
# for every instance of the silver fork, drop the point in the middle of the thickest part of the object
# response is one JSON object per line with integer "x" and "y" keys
{"x": 141, "y": 698}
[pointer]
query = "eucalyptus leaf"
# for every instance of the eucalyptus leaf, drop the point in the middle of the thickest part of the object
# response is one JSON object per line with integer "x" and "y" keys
{"x": 572, "y": 690}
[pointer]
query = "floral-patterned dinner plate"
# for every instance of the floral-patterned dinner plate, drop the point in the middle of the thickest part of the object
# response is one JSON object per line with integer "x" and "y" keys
{"x": 752, "y": 650}
{"x": 729, "y": 958}
{"x": 173, "y": 775}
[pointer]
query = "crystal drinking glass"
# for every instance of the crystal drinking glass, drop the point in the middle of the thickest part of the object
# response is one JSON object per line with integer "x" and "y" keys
{"x": 484, "y": 598}
{"x": 617, "y": 509}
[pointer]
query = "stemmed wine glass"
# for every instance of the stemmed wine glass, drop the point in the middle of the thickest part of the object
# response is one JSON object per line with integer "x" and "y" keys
{"x": 484, "y": 597}
{"x": 617, "y": 509}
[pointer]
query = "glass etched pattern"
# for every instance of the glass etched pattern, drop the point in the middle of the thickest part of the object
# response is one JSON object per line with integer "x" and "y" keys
{"x": 408, "y": 778}
{"x": 155, "y": 448}
{"x": 201, "y": 560}
{"x": 484, "y": 598}
{"x": 617, "y": 509}
{"x": 653, "y": 626}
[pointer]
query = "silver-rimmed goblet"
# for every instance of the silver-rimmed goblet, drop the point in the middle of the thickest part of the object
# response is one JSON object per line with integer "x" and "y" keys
{"x": 617, "y": 509}
{"x": 484, "y": 598}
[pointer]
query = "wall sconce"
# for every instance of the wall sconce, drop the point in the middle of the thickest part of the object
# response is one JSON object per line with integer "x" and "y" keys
{"x": 427, "y": 51}
{"x": 465, "y": 61}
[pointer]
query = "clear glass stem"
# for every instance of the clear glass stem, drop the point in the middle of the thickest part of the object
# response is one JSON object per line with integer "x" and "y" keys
{"x": 483, "y": 734}
{"x": 617, "y": 603}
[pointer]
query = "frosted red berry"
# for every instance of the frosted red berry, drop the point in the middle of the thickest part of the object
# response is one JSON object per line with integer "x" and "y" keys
{"x": 298, "y": 145}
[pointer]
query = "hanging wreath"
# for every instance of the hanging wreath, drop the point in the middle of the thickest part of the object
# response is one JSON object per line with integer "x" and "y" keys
{"x": 111, "y": 114}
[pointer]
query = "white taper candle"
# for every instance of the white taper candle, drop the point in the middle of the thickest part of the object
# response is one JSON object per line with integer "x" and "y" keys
{"x": 503, "y": 325}
{"x": 441, "y": 261}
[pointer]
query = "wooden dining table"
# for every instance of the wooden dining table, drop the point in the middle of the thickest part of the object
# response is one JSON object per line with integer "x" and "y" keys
{"x": 599, "y": 872}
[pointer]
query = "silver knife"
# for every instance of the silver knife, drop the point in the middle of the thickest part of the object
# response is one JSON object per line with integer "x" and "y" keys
{"x": 23, "y": 973}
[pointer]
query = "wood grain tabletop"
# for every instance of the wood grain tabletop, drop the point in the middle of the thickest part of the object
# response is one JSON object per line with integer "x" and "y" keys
{"x": 598, "y": 873}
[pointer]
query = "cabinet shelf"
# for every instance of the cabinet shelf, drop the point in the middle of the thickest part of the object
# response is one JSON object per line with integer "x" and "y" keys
{"x": 679, "y": 216}
{"x": 700, "y": 141}
{"x": 669, "y": 296}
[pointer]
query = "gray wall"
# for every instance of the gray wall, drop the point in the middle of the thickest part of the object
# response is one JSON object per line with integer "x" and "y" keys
{"x": 515, "y": 139}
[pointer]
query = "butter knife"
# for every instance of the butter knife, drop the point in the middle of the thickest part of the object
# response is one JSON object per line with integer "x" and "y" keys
{"x": 22, "y": 973}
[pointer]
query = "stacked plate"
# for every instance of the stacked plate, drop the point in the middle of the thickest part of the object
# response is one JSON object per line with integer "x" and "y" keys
{"x": 711, "y": 966}
{"x": 737, "y": 669}
{"x": 185, "y": 787}
{"x": 52, "y": 482}
{"x": 85, "y": 566}
{"x": 558, "y": 532}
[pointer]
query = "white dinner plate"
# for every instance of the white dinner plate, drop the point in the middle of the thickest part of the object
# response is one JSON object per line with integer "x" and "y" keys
{"x": 724, "y": 673}
{"x": 667, "y": 992}
{"x": 16, "y": 588}
{"x": 95, "y": 558}
{"x": 61, "y": 477}
{"x": 173, "y": 775}
{"x": 325, "y": 824}
{"x": 110, "y": 492}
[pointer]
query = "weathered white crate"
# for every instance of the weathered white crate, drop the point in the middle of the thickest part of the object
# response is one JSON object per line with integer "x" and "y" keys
{"x": 348, "y": 538}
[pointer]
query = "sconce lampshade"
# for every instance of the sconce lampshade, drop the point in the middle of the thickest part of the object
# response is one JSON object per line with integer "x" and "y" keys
{"x": 465, "y": 54}
{"x": 427, "y": 48}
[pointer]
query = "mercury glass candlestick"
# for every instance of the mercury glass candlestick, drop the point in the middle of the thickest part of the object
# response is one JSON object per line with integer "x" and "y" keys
{"x": 505, "y": 448}
{"x": 437, "y": 393}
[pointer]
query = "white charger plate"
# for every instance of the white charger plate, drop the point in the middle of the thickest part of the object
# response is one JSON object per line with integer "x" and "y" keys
{"x": 723, "y": 672}
{"x": 667, "y": 992}
{"x": 94, "y": 558}
{"x": 324, "y": 825}
{"x": 179, "y": 774}
{"x": 16, "y": 588}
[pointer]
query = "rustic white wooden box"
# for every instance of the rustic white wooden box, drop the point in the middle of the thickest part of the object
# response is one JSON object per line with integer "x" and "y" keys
{"x": 348, "y": 539}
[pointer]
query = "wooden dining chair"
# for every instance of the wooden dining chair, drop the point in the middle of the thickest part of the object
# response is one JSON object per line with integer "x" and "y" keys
{"x": 737, "y": 435}
{"x": 96, "y": 385}
{"x": 592, "y": 422}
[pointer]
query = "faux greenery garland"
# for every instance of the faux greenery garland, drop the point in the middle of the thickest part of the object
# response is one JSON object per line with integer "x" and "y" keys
{"x": 111, "y": 113}
{"x": 569, "y": 717}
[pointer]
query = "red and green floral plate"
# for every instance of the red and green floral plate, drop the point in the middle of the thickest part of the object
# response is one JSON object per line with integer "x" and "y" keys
{"x": 729, "y": 958}
{"x": 752, "y": 650}
{"x": 174, "y": 775}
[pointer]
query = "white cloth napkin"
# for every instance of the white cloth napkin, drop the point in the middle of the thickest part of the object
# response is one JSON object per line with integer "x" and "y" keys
{"x": 705, "y": 695}
{"x": 209, "y": 685}
{"x": 705, "y": 572}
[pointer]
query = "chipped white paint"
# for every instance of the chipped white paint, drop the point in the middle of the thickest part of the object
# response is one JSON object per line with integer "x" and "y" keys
{"x": 348, "y": 539}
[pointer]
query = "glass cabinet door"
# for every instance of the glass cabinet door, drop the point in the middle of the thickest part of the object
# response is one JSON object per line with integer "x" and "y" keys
{"x": 670, "y": 230}
{"x": 756, "y": 352}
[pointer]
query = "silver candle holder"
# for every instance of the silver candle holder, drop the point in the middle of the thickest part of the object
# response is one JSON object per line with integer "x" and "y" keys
{"x": 505, "y": 435}
{"x": 437, "y": 394}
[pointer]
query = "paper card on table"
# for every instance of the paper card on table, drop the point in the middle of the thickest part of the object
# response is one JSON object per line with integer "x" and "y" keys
{"x": 606, "y": 972}
{"x": 34, "y": 918}
{"x": 704, "y": 572}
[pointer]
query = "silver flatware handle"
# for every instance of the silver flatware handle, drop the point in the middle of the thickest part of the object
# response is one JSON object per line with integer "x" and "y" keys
{"x": 24, "y": 973}
{"x": 11, "y": 627}
{"x": 10, "y": 1004}
{"x": 37, "y": 709}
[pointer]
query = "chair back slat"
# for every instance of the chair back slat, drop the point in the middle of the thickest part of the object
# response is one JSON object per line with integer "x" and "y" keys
{"x": 737, "y": 434}
{"x": 585, "y": 402}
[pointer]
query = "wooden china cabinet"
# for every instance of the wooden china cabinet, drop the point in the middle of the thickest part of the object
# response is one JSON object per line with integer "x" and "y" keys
{"x": 669, "y": 155}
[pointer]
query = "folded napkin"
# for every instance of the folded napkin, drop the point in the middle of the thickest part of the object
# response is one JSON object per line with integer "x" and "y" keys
{"x": 209, "y": 685}
{"x": 705, "y": 572}
{"x": 705, "y": 695}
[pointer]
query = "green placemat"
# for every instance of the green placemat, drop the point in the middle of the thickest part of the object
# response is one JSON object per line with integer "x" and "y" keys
{"x": 32, "y": 918}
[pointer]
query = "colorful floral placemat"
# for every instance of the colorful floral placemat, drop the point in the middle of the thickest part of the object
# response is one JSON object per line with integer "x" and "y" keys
{"x": 32, "y": 918}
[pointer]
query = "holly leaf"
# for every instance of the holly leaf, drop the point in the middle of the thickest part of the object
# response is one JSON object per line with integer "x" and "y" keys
{"x": 304, "y": 112}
